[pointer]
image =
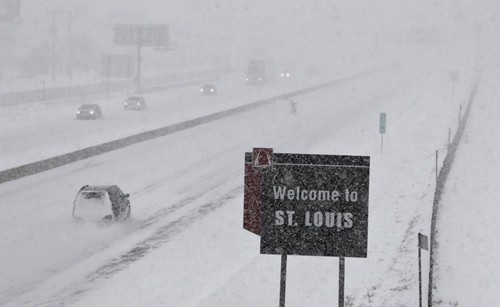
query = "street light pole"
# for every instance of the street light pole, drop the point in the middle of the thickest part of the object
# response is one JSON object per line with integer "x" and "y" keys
{"x": 139, "y": 57}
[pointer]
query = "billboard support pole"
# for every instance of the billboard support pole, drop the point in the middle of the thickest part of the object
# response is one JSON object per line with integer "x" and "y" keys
{"x": 108, "y": 72}
{"x": 423, "y": 243}
{"x": 419, "y": 277}
{"x": 283, "y": 280}
{"x": 341, "y": 280}
{"x": 129, "y": 63}
{"x": 139, "y": 67}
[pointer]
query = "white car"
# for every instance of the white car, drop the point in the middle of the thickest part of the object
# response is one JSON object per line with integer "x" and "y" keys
{"x": 97, "y": 203}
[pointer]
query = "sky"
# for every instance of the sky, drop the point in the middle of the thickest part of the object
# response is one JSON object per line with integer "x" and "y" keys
{"x": 184, "y": 245}
{"x": 312, "y": 31}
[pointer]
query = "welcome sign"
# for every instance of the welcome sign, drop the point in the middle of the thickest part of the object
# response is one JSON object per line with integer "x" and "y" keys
{"x": 315, "y": 205}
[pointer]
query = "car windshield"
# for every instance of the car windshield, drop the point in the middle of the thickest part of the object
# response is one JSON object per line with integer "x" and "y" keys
{"x": 134, "y": 98}
{"x": 92, "y": 205}
{"x": 87, "y": 106}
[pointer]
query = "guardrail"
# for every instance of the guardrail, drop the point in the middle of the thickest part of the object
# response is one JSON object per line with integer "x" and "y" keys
{"x": 44, "y": 94}
{"x": 440, "y": 184}
{"x": 64, "y": 159}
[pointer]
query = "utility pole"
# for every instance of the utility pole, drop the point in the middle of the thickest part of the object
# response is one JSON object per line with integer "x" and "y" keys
{"x": 53, "y": 47}
{"x": 70, "y": 45}
{"x": 139, "y": 56}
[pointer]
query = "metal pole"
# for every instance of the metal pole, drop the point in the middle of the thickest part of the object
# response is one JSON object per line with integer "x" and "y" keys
{"x": 459, "y": 115}
{"x": 381, "y": 143}
{"x": 419, "y": 277}
{"x": 53, "y": 47}
{"x": 341, "y": 281}
{"x": 449, "y": 137}
{"x": 70, "y": 51}
{"x": 43, "y": 90}
{"x": 108, "y": 68}
{"x": 452, "y": 91}
{"x": 129, "y": 64}
{"x": 139, "y": 57}
{"x": 437, "y": 156}
{"x": 283, "y": 280}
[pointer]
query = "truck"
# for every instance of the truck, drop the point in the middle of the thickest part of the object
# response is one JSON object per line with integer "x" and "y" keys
{"x": 258, "y": 72}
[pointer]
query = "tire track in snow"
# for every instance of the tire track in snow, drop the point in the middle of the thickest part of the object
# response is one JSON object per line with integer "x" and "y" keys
{"x": 162, "y": 235}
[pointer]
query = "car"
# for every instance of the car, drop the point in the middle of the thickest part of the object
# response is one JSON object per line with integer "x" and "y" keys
{"x": 89, "y": 111}
{"x": 101, "y": 203}
{"x": 285, "y": 74}
{"x": 134, "y": 103}
{"x": 208, "y": 89}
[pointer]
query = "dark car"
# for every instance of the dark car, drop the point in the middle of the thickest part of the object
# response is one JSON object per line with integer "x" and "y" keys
{"x": 89, "y": 111}
{"x": 97, "y": 203}
{"x": 208, "y": 89}
{"x": 134, "y": 103}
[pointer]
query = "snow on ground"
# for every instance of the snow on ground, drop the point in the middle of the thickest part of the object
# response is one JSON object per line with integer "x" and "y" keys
{"x": 468, "y": 271}
{"x": 35, "y": 131}
{"x": 41, "y": 227}
{"x": 185, "y": 245}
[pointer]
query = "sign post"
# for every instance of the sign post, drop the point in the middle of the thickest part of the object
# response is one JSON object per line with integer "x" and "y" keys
{"x": 311, "y": 205}
{"x": 423, "y": 243}
{"x": 341, "y": 281}
{"x": 283, "y": 280}
{"x": 382, "y": 126}
{"x": 454, "y": 74}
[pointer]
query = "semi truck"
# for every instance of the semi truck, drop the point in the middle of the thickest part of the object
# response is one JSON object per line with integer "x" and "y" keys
{"x": 258, "y": 72}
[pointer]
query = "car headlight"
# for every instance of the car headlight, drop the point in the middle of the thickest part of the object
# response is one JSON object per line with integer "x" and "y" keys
{"x": 260, "y": 79}
{"x": 201, "y": 90}
{"x": 78, "y": 112}
{"x": 125, "y": 103}
{"x": 288, "y": 75}
{"x": 282, "y": 75}
{"x": 248, "y": 79}
{"x": 212, "y": 90}
{"x": 91, "y": 112}
{"x": 138, "y": 103}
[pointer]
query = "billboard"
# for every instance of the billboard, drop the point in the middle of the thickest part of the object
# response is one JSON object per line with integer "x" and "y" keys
{"x": 10, "y": 11}
{"x": 140, "y": 35}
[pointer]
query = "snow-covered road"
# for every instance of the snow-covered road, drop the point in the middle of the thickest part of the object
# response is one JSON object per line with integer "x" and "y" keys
{"x": 186, "y": 193}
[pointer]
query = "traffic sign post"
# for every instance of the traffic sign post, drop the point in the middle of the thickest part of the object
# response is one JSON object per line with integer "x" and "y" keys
{"x": 311, "y": 205}
{"x": 423, "y": 243}
{"x": 382, "y": 127}
{"x": 454, "y": 74}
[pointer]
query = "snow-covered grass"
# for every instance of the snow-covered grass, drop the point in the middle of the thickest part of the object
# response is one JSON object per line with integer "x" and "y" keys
{"x": 467, "y": 272}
